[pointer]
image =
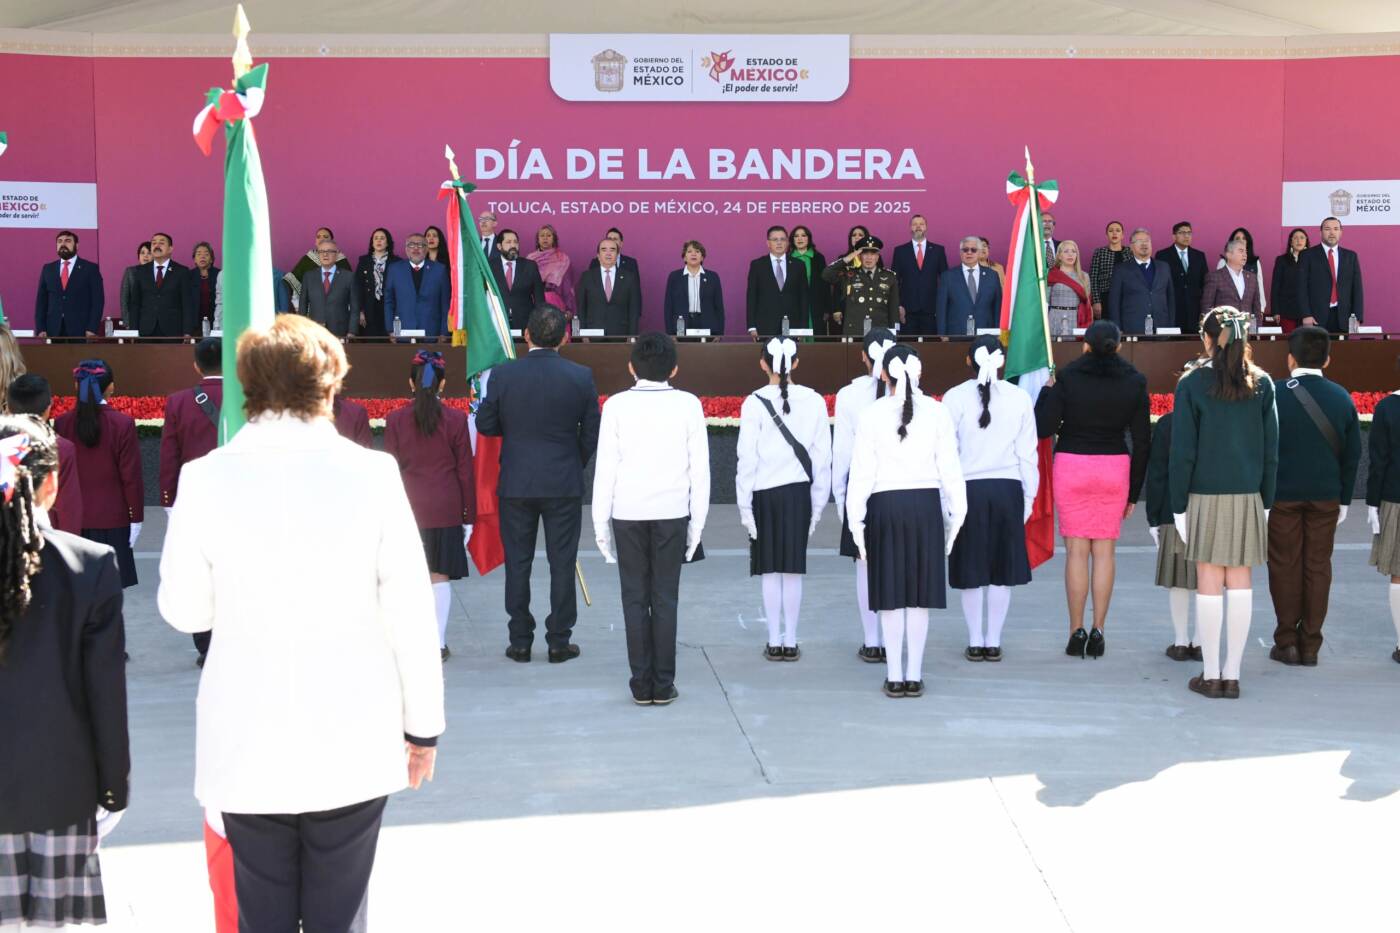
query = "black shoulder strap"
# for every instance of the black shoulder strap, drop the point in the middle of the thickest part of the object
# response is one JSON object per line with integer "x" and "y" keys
{"x": 206, "y": 405}
{"x": 803, "y": 457}
{"x": 1329, "y": 433}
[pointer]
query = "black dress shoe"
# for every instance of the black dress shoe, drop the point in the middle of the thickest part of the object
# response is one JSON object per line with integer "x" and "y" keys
{"x": 894, "y": 689}
{"x": 773, "y": 652}
{"x": 869, "y": 655}
{"x": 913, "y": 688}
{"x": 974, "y": 653}
{"x": 1179, "y": 652}
{"x": 642, "y": 699}
{"x": 1078, "y": 641}
{"x": 522, "y": 655}
{"x": 792, "y": 654}
{"x": 199, "y": 661}
{"x": 882, "y": 653}
{"x": 446, "y": 652}
{"x": 1395, "y": 656}
{"x": 991, "y": 654}
{"x": 566, "y": 653}
{"x": 1096, "y": 644}
{"x": 666, "y": 696}
{"x": 1285, "y": 654}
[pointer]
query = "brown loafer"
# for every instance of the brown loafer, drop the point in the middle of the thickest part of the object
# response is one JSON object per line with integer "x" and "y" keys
{"x": 1230, "y": 689}
{"x": 1206, "y": 688}
{"x": 1196, "y": 653}
{"x": 1285, "y": 654}
{"x": 1179, "y": 652}
{"x": 1307, "y": 660}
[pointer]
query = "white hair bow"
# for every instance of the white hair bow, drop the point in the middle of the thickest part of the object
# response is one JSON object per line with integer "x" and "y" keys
{"x": 877, "y": 352}
{"x": 13, "y": 450}
{"x": 988, "y": 362}
{"x": 783, "y": 351}
{"x": 905, "y": 371}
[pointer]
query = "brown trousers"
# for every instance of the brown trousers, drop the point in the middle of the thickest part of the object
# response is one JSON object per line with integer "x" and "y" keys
{"x": 1300, "y": 570}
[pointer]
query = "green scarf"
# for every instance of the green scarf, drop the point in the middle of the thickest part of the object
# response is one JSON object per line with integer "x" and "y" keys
{"x": 806, "y": 256}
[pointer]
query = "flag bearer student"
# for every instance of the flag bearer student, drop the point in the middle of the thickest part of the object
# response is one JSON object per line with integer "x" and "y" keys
{"x": 850, "y": 402}
{"x": 30, "y": 394}
{"x": 651, "y": 495}
{"x": 1174, "y": 571}
{"x": 995, "y": 424}
{"x": 432, "y": 444}
{"x": 1319, "y": 447}
{"x": 906, "y": 488}
{"x": 1383, "y": 500}
{"x": 1221, "y": 476}
{"x": 782, "y": 482}
{"x": 190, "y": 431}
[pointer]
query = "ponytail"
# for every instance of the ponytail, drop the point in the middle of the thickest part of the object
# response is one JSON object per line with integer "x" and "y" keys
{"x": 1230, "y": 357}
{"x": 29, "y": 454}
{"x": 93, "y": 378}
{"x": 986, "y": 358}
{"x": 779, "y": 354}
{"x": 984, "y": 389}
{"x": 783, "y": 386}
{"x": 903, "y": 367}
{"x": 906, "y": 415}
{"x": 429, "y": 372}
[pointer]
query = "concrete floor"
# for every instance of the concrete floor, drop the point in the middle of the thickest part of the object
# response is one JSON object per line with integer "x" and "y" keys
{"x": 1042, "y": 793}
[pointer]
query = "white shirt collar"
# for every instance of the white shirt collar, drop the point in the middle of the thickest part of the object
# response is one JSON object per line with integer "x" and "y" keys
{"x": 650, "y": 384}
{"x": 419, "y": 265}
{"x": 1304, "y": 371}
{"x": 698, "y": 272}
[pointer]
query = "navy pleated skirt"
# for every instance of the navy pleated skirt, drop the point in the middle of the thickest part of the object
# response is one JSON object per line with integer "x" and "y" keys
{"x": 782, "y": 515}
{"x": 848, "y": 543}
{"x": 904, "y": 547}
{"x": 119, "y": 539}
{"x": 446, "y": 551}
{"x": 991, "y": 547}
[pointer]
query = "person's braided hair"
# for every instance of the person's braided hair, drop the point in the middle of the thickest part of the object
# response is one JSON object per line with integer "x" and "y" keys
{"x": 20, "y": 538}
{"x": 429, "y": 371}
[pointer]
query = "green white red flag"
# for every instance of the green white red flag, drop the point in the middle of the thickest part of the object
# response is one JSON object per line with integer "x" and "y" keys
{"x": 4, "y": 141}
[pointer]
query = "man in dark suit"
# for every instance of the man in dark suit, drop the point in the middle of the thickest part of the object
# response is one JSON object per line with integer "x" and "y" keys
{"x": 625, "y": 263}
{"x": 328, "y": 294}
{"x": 919, "y": 264}
{"x": 1140, "y": 287}
{"x": 518, "y": 279}
{"x": 1188, "y": 268}
{"x": 161, "y": 295}
{"x": 545, "y": 409}
{"x": 694, "y": 293}
{"x": 970, "y": 290}
{"x": 777, "y": 289}
{"x": 70, "y": 299}
{"x": 1052, "y": 245}
{"x": 486, "y": 223}
{"x": 609, "y": 296}
{"x": 1233, "y": 285}
{"x": 1329, "y": 281}
{"x": 417, "y": 291}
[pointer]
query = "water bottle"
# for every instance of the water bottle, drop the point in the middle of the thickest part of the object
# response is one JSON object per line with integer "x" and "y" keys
{"x": 787, "y": 327}
{"x": 971, "y": 326}
{"x": 1353, "y": 325}
{"x": 573, "y": 326}
{"x": 1147, "y": 327}
{"x": 109, "y": 326}
{"x": 204, "y": 327}
{"x": 398, "y": 326}
{"x": 680, "y": 325}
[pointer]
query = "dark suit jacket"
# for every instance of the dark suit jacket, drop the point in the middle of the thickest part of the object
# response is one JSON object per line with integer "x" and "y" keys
{"x": 352, "y": 421}
{"x": 955, "y": 301}
{"x": 167, "y": 311}
{"x": 74, "y": 311}
{"x": 766, "y": 306}
{"x": 66, "y": 513}
{"x": 114, "y": 492}
{"x": 436, "y": 469}
{"x": 188, "y": 433}
{"x": 1284, "y": 295}
{"x": 618, "y": 317}
{"x": 371, "y": 307}
{"x": 918, "y": 288}
{"x": 68, "y": 750}
{"x": 1220, "y": 290}
{"x": 1130, "y": 301}
{"x": 545, "y": 409}
{"x": 526, "y": 292}
{"x": 1315, "y": 287}
{"x": 678, "y": 302}
{"x": 1187, "y": 285}
{"x": 339, "y": 311}
{"x": 424, "y": 308}
{"x": 627, "y": 264}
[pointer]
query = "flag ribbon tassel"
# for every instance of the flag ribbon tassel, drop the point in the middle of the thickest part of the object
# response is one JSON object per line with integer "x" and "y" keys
{"x": 223, "y": 106}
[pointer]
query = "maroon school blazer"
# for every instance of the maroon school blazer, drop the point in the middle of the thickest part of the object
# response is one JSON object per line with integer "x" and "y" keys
{"x": 437, "y": 470}
{"x": 188, "y": 434}
{"x": 110, "y": 471}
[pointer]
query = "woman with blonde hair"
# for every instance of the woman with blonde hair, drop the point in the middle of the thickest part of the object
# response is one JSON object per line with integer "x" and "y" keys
{"x": 1068, "y": 291}
{"x": 11, "y": 362}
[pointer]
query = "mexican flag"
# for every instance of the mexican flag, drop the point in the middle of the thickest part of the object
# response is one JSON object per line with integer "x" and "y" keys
{"x": 477, "y": 312}
{"x": 1025, "y": 329}
{"x": 4, "y": 142}
{"x": 247, "y": 244}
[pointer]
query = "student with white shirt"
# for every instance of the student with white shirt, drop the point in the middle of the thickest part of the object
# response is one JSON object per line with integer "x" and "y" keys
{"x": 995, "y": 423}
{"x": 651, "y": 495}
{"x": 850, "y": 402}
{"x": 906, "y": 487}
{"x": 782, "y": 483}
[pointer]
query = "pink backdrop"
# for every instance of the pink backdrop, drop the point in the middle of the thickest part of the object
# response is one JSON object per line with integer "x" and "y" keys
{"x": 355, "y": 144}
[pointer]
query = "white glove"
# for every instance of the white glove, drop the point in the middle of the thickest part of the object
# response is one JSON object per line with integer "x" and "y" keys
{"x": 746, "y": 519}
{"x": 1026, "y": 512}
{"x": 953, "y": 536}
{"x": 1341, "y": 515}
{"x": 602, "y": 536}
{"x": 1373, "y": 518}
{"x": 1156, "y": 537}
{"x": 135, "y": 533}
{"x": 812, "y": 529}
{"x": 1266, "y": 515}
{"x": 860, "y": 547}
{"x": 1179, "y": 520}
{"x": 692, "y": 539}
{"x": 107, "y": 821}
{"x": 466, "y": 535}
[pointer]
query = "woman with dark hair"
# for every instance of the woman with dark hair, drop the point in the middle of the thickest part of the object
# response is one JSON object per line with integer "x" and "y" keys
{"x": 433, "y": 447}
{"x": 63, "y": 684}
{"x": 694, "y": 293}
{"x": 1251, "y": 262}
{"x": 203, "y": 281}
{"x": 437, "y": 248}
{"x": 1091, "y": 406}
{"x": 995, "y": 425}
{"x": 109, "y": 465}
{"x": 1284, "y": 293}
{"x": 370, "y": 274}
{"x": 1105, "y": 259}
{"x": 906, "y": 489}
{"x": 836, "y": 295}
{"x": 984, "y": 258}
{"x": 556, "y": 269}
{"x": 781, "y": 485}
{"x": 143, "y": 257}
{"x": 1221, "y": 476}
{"x": 803, "y": 248}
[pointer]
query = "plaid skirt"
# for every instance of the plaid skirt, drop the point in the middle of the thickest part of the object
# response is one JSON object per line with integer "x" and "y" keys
{"x": 1385, "y": 547}
{"x": 1174, "y": 571}
{"x": 51, "y": 879}
{"x": 1226, "y": 530}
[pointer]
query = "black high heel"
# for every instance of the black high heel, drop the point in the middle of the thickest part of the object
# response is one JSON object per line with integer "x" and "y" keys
{"x": 1096, "y": 644}
{"x": 1077, "y": 642}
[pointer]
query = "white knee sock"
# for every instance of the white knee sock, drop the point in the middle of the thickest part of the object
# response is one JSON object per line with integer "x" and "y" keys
{"x": 998, "y": 604}
{"x": 869, "y": 622}
{"x": 916, "y": 625}
{"x": 792, "y": 607}
{"x": 1210, "y": 612}
{"x": 773, "y": 606}
{"x": 892, "y": 627}
{"x": 1395, "y": 610}
{"x": 1180, "y": 599}
{"x": 442, "y": 594}
{"x": 972, "y": 615}
{"x": 1238, "y": 609}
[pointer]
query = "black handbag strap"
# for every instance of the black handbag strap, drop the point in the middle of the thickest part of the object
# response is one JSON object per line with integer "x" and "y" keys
{"x": 206, "y": 405}
{"x": 803, "y": 457}
{"x": 1329, "y": 433}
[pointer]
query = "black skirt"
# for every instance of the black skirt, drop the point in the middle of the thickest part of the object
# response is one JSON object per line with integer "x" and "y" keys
{"x": 847, "y": 547}
{"x": 119, "y": 539}
{"x": 782, "y": 516}
{"x": 991, "y": 547}
{"x": 446, "y": 551}
{"x": 904, "y": 547}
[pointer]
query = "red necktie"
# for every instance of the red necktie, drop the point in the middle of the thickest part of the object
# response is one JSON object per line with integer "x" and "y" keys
{"x": 510, "y": 276}
{"x": 160, "y": 275}
{"x": 63, "y": 275}
{"x": 326, "y": 282}
{"x": 1332, "y": 265}
{"x": 607, "y": 285}
{"x": 919, "y": 256}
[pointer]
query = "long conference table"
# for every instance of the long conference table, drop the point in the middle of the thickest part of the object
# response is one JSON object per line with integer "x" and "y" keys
{"x": 379, "y": 369}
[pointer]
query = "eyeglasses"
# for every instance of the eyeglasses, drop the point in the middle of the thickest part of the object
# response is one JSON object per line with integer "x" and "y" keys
{"x": 417, "y": 244}
{"x": 971, "y": 249}
{"x": 327, "y": 252}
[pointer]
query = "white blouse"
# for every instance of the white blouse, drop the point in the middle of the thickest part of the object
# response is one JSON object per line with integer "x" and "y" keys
{"x": 1005, "y": 448}
{"x": 767, "y": 461}
{"x": 850, "y": 402}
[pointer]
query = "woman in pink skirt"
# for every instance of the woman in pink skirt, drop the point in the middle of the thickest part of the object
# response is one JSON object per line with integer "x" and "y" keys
{"x": 1091, "y": 408}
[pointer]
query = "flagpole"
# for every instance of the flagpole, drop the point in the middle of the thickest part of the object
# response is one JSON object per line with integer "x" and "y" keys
{"x": 1034, "y": 207}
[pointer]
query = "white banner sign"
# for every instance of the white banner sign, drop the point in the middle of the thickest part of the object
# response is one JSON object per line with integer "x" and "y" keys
{"x": 1354, "y": 203}
{"x": 48, "y": 204}
{"x": 699, "y": 68}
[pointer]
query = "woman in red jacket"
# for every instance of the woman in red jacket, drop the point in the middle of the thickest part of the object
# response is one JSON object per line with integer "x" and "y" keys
{"x": 433, "y": 446}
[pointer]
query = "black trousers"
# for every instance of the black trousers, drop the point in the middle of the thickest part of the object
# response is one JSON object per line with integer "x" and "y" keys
{"x": 304, "y": 871}
{"x": 520, "y": 523}
{"x": 649, "y": 558}
{"x": 920, "y": 323}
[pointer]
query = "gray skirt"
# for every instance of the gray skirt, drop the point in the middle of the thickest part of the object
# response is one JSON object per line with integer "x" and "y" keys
{"x": 1174, "y": 571}
{"x": 1385, "y": 547}
{"x": 1226, "y": 530}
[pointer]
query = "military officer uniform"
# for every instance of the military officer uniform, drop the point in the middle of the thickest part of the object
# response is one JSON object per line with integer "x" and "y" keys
{"x": 872, "y": 293}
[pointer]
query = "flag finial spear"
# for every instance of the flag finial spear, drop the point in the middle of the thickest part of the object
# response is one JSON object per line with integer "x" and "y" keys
{"x": 242, "y": 56}
{"x": 1030, "y": 169}
{"x": 452, "y": 162}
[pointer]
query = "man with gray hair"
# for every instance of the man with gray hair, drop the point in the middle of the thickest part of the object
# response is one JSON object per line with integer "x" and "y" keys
{"x": 1141, "y": 288}
{"x": 968, "y": 292}
{"x": 486, "y": 221}
{"x": 328, "y": 293}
